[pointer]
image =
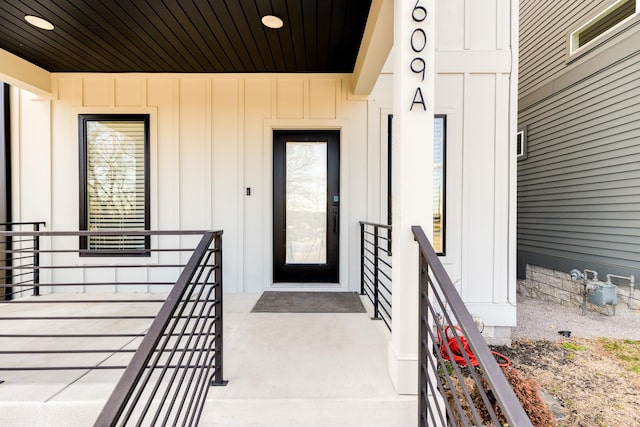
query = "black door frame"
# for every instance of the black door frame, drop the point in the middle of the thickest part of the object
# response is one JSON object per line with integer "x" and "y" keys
{"x": 5, "y": 183}
{"x": 306, "y": 273}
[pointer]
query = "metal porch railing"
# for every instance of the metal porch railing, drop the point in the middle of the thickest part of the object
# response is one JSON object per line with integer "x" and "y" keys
{"x": 454, "y": 389}
{"x": 375, "y": 268}
{"x": 163, "y": 327}
{"x": 27, "y": 256}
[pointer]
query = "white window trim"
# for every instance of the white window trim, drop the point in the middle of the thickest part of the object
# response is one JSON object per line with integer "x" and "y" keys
{"x": 573, "y": 36}
{"x": 521, "y": 145}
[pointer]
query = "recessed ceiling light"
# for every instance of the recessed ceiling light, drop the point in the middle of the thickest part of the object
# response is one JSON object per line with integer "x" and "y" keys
{"x": 272, "y": 21}
{"x": 43, "y": 24}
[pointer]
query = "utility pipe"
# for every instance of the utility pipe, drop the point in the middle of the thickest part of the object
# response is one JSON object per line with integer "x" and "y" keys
{"x": 631, "y": 280}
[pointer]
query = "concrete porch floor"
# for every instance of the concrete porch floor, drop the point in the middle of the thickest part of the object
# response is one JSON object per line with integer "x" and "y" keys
{"x": 283, "y": 370}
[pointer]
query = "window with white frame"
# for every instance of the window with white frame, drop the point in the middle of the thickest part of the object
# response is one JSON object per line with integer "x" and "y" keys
{"x": 114, "y": 182}
{"x": 618, "y": 12}
{"x": 521, "y": 145}
{"x": 439, "y": 182}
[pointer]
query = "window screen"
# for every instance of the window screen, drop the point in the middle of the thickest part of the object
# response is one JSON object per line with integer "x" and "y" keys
{"x": 114, "y": 187}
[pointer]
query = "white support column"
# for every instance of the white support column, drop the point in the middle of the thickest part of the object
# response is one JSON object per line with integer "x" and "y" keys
{"x": 412, "y": 204}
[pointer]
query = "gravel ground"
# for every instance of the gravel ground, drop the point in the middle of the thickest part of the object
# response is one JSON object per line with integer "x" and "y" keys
{"x": 542, "y": 320}
{"x": 585, "y": 381}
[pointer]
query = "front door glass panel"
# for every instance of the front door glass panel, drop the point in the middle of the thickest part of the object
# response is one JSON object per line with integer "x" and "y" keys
{"x": 306, "y": 202}
{"x": 306, "y": 206}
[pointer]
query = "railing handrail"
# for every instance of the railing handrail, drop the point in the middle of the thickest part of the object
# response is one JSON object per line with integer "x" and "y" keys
{"x": 99, "y": 233}
{"x": 509, "y": 403}
{"x": 117, "y": 402}
{"x": 373, "y": 224}
{"x": 13, "y": 236}
{"x": 24, "y": 223}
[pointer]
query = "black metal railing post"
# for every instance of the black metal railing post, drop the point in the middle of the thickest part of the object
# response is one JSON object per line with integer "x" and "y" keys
{"x": 376, "y": 277}
{"x": 375, "y": 269}
{"x": 7, "y": 264}
{"x": 36, "y": 260}
{"x": 423, "y": 345}
{"x": 362, "y": 291}
{"x": 218, "y": 377}
{"x": 389, "y": 241}
{"x": 21, "y": 258}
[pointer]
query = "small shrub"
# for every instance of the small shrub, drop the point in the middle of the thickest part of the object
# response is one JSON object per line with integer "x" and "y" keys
{"x": 526, "y": 390}
{"x": 528, "y": 393}
{"x": 459, "y": 396}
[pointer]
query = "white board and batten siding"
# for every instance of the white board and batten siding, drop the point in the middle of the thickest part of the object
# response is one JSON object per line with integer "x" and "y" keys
{"x": 210, "y": 140}
{"x": 578, "y": 197}
{"x": 476, "y": 87}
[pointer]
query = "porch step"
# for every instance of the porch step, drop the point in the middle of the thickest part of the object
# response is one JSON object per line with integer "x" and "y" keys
{"x": 49, "y": 414}
{"x": 400, "y": 411}
{"x": 302, "y": 370}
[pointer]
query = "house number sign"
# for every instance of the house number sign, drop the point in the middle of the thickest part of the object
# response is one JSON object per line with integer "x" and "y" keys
{"x": 418, "y": 65}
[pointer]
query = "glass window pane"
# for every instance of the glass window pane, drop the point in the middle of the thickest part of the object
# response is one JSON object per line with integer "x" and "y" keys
{"x": 607, "y": 20}
{"x": 438, "y": 184}
{"x": 306, "y": 203}
{"x": 115, "y": 182}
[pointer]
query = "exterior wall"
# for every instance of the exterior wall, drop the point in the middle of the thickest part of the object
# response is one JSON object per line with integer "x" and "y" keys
{"x": 210, "y": 138}
{"x": 578, "y": 186}
{"x": 476, "y": 87}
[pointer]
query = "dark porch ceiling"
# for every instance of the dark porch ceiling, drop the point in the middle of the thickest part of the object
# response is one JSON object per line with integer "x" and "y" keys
{"x": 188, "y": 36}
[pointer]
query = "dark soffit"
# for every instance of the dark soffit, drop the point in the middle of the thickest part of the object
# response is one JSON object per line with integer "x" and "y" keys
{"x": 189, "y": 36}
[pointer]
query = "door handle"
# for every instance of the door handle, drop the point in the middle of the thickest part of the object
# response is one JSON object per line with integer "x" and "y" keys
{"x": 336, "y": 210}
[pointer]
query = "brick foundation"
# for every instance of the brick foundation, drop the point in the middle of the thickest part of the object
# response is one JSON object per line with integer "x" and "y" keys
{"x": 557, "y": 286}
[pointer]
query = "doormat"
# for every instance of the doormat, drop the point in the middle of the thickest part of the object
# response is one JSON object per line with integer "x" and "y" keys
{"x": 309, "y": 302}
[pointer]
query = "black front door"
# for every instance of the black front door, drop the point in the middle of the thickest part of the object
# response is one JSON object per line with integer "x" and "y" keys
{"x": 306, "y": 206}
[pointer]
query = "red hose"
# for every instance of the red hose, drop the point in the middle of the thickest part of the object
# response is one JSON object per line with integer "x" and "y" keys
{"x": 458, "y": 354}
